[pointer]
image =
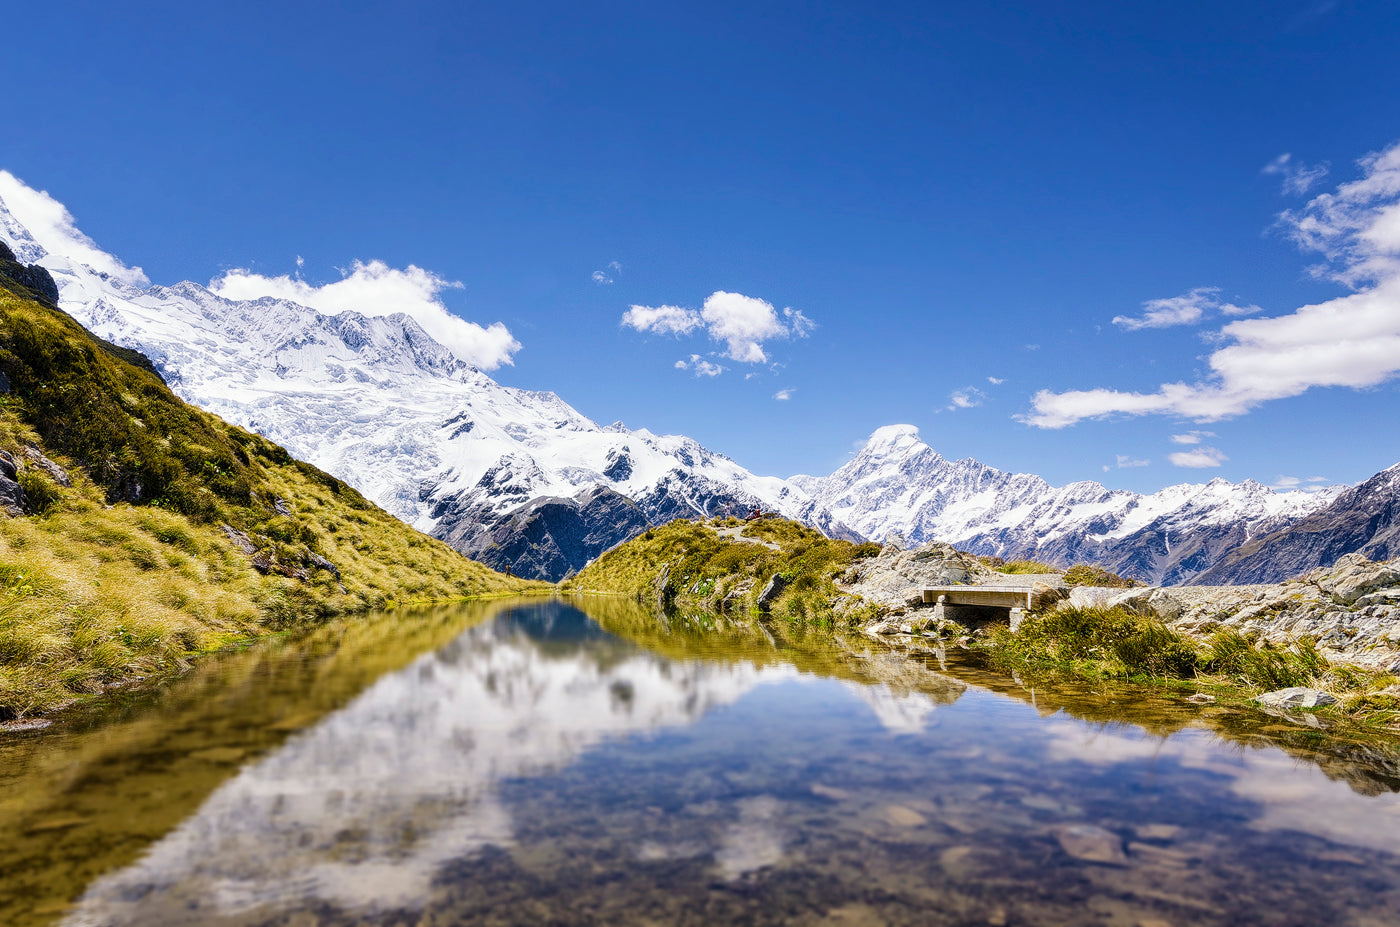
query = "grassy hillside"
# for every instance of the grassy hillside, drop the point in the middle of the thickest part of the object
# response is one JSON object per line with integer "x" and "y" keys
{"x": 177, "y": 532}
{"x": 704, "y": 568}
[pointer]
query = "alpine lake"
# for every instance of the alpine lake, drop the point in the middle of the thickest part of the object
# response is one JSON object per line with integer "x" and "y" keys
{"x": 589, "y": 761}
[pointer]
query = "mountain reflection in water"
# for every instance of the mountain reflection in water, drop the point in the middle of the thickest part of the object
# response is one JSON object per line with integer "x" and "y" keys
{"x": 544, "y": 766}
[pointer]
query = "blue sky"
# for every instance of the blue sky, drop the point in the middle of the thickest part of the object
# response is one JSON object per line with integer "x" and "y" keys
{"x": 955, "y": 202}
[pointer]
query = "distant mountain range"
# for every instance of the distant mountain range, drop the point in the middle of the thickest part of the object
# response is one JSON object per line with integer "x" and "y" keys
{"x": 521, "y": 480}
{"x": 1218, "y": 532}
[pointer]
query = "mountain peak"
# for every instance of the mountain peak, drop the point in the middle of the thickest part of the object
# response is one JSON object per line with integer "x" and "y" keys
{"x": 888, "y": 437}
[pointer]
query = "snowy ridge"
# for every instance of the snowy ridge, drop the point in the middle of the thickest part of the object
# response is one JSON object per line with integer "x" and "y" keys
{"x": 898, "y": 484}
{"x": 379, "y": 403}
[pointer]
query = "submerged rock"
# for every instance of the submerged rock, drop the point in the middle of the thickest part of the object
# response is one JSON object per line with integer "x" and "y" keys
{"x": 1091, "y": 844}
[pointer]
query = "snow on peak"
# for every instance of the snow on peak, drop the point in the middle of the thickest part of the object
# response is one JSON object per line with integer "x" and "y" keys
{"x": 893, "y": 436}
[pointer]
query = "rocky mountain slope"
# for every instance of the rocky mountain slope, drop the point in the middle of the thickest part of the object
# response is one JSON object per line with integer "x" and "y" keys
{"x": 1364, "y": 519}
{"x": 508, "y": 476}
{"x": 898, "y": 484}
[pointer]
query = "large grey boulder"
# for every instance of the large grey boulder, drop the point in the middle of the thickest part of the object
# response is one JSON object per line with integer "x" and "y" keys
{"x": 1353, "y": 576}
{"x": 1296, "y": 697}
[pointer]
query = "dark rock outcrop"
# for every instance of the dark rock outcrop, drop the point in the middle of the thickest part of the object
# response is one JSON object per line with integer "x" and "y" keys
{"x": 549, "y": 537}
{"x": 12, "y": 501}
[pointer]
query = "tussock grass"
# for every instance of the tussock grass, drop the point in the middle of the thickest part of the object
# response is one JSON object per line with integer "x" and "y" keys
{"x": 1086, "y": 574}
{"x": 1026, "y": 566}
{"x": 129, "y": 572}
{"x": 1094, "y": 641}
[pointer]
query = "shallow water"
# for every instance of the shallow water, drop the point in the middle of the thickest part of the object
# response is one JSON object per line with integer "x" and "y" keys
{"x": 591, "y": 763}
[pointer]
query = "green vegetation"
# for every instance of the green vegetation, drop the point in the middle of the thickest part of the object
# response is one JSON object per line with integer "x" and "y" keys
{"x": 1116, "y": 643}
{"x": 1085, "y": 574}
{"x": 691, "y": 566}
{"x": 1026, "y": 566}
{"x": 130, "y": 570}
{"x": 1109, "y": 642}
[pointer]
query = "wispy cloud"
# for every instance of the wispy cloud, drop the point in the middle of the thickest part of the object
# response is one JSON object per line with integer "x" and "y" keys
{"x": 1198, "y": 458}
{"x": 783, "y": 395}
{"x": 1310, "y": 484}
{"x": 375, "y": 288}
{"x": 1192, "y": 437}
{"x": 1127, "y": 462}
{"x": 741, "y": 324}
{"x": 996, "y": 381}
{"x": 700, "y": 366}
{"x": 1351, "y": 341}
{"x": 968, "y": 397}
{"x": 1298, "y": 178}
{"x": 605, "y": 277}
{"x": 1187, "y": 309}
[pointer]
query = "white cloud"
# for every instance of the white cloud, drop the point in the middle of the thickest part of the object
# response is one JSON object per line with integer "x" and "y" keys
{"x": 967, "y": 398}
{"x": 1186, "y": 309}
{"x": 661, "y": 320}
{"x": 1192, "y": 437}
{"x": 1351, "y": 341}
{"x": 1198, "y": 458}
{"x": 742, "y": 324}
{"x": 783, "y": 395}
{"x": 700, "y": 366}
{"x": 1311, "y": 484}
{"x": 54, "y": 230}
{"x": 376, "y": 289}
{"x": 1124, "y": 461}
{"x": 996, "y": 381}
{"x": 1297, "y": 177}
{"x": 604, "y": 277}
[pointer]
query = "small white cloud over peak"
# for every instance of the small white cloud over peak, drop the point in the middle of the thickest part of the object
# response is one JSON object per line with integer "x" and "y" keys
{"x": 601, "y": 278}
{"x": 966, "y": 398}
{"x": 1198, "y": 458}
{"x": 996, "y": 381}
{"x": 55, "y": 232}
{"x": 1350, "y": 341}
{"x": 1192, "y": 437}
{"x": 374, "y": 288}
{"x": 699, "y": 366}
{"x": 741, "y": 324}
{"x": 1293, "y": 483}
{"x": 1126, "y": 461}
{"x": 1298, "y": 178}
{"x": 1187, "y": 309}
{"x": 783, "y": 395}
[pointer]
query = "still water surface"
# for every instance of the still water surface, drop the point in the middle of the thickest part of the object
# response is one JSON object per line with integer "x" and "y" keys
{"x": 589, "y": 763}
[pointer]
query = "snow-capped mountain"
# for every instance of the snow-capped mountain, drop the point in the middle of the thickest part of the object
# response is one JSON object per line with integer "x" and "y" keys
{"x": 1363, "y": 519}
{"x": 512, "y": 477}
{"x": 898, "y": 484}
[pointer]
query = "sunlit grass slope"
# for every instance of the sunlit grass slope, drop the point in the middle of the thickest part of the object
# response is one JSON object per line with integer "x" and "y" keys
{"x": 691, "y": 565}
{"x": 179, "y": 532}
